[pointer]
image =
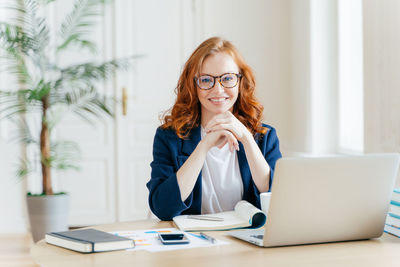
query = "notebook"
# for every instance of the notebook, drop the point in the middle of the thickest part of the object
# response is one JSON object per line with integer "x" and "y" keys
{"x": 244, "y": 215}
{"x": 329, "y": 199}
{"x": 89, "y": 240}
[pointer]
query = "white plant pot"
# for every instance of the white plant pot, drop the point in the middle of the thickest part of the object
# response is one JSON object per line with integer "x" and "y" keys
{"x": 47, "y": 214}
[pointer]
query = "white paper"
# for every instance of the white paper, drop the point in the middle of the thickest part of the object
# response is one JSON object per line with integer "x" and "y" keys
{"x": 148, "y": 240}
{"x": 246, "y": 210}
{"x": 231, "y": 220}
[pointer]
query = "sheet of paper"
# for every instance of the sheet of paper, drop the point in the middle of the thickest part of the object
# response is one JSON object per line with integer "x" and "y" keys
{"x": 148, "y": 240}
{"x": 231, "y": 220}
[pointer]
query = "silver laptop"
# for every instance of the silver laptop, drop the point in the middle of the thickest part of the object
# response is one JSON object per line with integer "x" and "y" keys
{"x": 318, "y": 200}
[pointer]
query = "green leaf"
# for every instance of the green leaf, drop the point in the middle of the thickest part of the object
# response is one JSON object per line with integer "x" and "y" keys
{"x": 12, "y": 110}
{"x": 23, "y": 169}
{"x": 23, "y": 11}
{"x": 91, "y": 72}
{"x": 45, "y": 2}
{"x": 24, "y": 134}
{"x": 55, "y": 114}
{"x": 13, "y": 38}
{"x": 41, "y": 90}
{"x": 79, "y": 23}
{"x": 64, "y": 155}
{"x": 19, "y": 102}
{"x": 34, "y": 29}
{"x": 14, "y": 64}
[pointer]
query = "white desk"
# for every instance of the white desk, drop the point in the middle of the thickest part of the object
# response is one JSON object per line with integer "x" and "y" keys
{"x": 384, "y": 251}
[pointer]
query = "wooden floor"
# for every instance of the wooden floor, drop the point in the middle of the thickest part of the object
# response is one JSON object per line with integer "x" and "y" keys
{"x": 14, "y": 250}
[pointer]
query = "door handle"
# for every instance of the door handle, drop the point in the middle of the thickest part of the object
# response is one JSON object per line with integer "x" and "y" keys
{"x": 124, "y": 101}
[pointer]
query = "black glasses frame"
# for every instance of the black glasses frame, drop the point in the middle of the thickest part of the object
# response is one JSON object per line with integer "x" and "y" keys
{"x": 238, "y": 75}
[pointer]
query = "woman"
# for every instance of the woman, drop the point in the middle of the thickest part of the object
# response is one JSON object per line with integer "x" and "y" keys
{"x": 212, "y": 149}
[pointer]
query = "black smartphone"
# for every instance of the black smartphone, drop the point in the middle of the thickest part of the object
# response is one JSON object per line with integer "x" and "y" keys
{"x": 173, "y": 239}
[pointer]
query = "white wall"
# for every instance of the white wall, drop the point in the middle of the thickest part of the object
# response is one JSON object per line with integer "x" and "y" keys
{"x": 313, "y": 76}
{"x": 260, "y": 30}
{"x": 12, "y": 190}
{"x": 350, "y": 77}
{"x": 381, "y": 76}
{"x": 300, "y": 77}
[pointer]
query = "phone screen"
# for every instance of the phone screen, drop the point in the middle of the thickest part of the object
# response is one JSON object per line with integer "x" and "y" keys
{"x": 173, "y": 239}
{"x": 172, "y": 236}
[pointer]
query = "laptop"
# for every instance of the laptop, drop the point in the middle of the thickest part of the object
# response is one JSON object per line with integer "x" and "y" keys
{"x": 329, "y": 199}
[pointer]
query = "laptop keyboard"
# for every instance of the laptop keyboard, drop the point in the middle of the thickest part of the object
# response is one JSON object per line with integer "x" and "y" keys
{"x": 258, "y": 236}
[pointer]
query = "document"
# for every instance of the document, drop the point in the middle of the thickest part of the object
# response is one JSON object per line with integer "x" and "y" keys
{"x": 148, "y": 240}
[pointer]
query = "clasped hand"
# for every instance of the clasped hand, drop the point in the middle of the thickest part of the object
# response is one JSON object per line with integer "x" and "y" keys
{"x": 225, "y": 128}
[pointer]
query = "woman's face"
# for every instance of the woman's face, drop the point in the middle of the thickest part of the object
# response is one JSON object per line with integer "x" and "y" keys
{"x": 217, "y": 99}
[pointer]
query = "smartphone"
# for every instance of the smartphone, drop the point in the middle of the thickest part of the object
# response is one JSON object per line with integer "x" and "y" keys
{"x": 173, "y": 239}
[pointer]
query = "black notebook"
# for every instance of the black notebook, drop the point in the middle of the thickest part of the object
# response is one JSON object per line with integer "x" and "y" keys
{"x": 89, "y": 240}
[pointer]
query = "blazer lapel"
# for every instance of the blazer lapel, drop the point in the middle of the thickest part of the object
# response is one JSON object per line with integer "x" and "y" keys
{"x": 188, "y": 147}
{"x": 190, "y": 144}
{"x": 244, "y": 170}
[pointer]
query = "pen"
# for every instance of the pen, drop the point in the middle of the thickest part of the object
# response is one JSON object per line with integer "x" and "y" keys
{"x": 209, "y": 238}
{"x": 205, "y": 217}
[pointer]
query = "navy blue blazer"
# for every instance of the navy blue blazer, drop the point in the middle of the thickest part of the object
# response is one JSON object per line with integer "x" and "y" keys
{"x": 169, "y": 154}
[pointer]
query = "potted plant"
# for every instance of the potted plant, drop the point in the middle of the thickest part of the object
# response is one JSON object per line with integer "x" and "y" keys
{"x": 45, "y": 91}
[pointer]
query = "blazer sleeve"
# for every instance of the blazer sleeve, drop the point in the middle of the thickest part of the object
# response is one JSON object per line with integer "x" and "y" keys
{"x": 269, "y": 146}
{"x": 272, "y": 152}
{"x": 164, "y": 194}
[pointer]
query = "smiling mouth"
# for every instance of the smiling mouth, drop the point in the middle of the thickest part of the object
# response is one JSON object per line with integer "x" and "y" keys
{"x": 218, "y": 99}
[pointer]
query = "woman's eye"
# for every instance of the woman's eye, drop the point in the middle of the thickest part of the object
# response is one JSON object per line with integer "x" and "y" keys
{"x": 205, "y": 80}
{"x": 227, "y": 78}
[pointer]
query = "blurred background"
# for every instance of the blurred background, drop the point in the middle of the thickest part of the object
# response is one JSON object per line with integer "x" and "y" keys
{"x": 327, "y": 74}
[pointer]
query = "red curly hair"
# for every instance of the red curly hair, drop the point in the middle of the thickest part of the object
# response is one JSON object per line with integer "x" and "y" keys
{"x": 186, "y": 112}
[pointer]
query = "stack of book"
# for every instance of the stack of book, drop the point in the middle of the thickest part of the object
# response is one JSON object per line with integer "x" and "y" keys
{"x": 392, "y": 225}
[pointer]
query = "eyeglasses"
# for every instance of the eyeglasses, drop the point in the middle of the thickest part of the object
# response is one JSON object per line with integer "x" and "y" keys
{"x": 227, "y": 80}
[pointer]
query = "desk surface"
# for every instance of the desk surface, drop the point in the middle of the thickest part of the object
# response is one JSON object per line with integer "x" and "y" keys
{"x": 384, "y": 251}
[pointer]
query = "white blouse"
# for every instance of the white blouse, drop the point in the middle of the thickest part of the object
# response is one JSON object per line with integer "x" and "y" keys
{"x": 222, "y": 185}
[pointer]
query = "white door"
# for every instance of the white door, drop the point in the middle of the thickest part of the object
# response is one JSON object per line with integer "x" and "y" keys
{"x": 161, "y": 32}
{"x": 92, "y": 189}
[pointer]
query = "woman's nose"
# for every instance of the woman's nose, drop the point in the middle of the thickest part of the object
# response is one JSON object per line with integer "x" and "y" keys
{"x": 218, "y": 86}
